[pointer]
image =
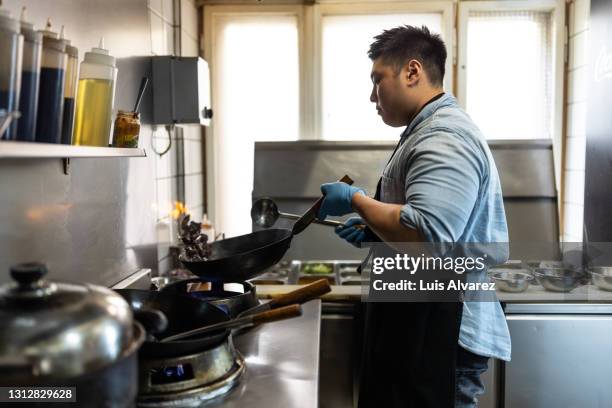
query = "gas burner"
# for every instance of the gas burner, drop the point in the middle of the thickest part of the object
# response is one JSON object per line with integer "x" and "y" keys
{"x": 188, "y": 381}
{"x": 233, "y": 298}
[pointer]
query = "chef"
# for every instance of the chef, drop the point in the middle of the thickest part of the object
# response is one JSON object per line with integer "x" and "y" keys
{"x": 439, "y": 186}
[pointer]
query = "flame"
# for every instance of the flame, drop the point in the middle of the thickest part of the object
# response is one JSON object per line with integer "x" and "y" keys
{"x": 179, "y": 209}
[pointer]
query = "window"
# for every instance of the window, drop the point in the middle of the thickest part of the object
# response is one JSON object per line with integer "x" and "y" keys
{"x": 257, "y": 65}
{"x": 348, "y": 113}
{"x": 256, "y": 99}
{"x": 510, "y": 67}
{"x": 510, "y": 62}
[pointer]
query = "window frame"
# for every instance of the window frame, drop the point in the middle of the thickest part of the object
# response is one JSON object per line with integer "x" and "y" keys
{"x": 557, "y": 8}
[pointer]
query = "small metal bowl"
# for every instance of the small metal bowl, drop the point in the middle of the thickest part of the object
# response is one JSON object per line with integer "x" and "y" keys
{"x": 511, "y": 280}
{"x": 602, "y": 277}
{"x": 558, "y": 279}
{"x": 533, "y": 265}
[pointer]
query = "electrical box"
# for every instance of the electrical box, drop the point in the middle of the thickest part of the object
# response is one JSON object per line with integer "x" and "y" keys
{"x": 181, "y": 90}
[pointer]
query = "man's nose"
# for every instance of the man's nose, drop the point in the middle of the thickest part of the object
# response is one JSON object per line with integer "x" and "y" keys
{"x": 373, "y": 95}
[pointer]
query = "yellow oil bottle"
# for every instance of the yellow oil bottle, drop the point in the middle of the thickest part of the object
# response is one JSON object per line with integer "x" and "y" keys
{"x": 93, "y": 112}
{"x": 94, "y": 101}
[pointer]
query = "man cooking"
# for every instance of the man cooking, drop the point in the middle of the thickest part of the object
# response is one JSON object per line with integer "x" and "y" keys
{"x": 440, "y": 186}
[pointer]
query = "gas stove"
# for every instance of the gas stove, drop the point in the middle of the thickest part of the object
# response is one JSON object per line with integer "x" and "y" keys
{"x": 275, "y": 365}
{"x": 189, "y": 381}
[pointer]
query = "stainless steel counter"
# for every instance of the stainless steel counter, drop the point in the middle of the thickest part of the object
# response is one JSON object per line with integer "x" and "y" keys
{"x": 282, "y": 362}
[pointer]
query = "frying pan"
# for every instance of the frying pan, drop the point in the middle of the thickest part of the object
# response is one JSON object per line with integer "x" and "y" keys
{"x": 243, "y": 257}
{"x": 183, "y": 313}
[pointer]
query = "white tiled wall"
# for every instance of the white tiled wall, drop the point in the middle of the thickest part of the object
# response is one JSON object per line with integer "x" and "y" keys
{"x": 193, "y": 173}
{"x": 573, "y": 197}
{"x": 174, "y": 30}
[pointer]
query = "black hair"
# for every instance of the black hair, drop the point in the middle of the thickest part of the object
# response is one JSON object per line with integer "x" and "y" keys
{"x": 398, "y": 45}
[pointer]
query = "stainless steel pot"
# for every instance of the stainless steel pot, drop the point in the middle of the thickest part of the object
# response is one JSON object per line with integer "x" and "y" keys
{"x": 53, "y": 333}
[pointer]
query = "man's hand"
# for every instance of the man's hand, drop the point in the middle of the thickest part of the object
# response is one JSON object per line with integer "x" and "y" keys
{"x": 352, "y": 231}
{"x": 337, "y": 199}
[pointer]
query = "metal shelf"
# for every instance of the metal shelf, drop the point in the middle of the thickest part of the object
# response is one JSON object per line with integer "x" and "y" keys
{"x": 30, "y": 150}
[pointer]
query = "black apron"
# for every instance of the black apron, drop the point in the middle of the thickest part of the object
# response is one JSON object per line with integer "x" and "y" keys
{"x": 409, "y": 351}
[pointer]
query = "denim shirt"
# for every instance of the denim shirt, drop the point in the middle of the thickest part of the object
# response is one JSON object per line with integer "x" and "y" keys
{"x": 444, "y": 175}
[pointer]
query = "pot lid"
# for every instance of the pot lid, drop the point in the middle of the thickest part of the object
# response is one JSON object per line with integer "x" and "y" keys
{"x": 57, "y": 329}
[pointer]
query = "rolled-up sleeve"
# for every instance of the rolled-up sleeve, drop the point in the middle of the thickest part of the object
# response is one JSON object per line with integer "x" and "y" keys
{"x": 442, "y": 184}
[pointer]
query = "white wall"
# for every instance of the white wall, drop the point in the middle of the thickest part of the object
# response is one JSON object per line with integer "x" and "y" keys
{"x": 174, "y": 31}
{"x": 573, "y": 196}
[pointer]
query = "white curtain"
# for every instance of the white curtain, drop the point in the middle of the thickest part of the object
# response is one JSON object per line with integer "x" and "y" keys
{"x": 509, "y": 73}
{"x": 257, "y": 99}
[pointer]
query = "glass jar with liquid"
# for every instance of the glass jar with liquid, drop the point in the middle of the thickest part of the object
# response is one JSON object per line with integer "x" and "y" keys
{"x": 30, "y": 79}
{"x": 51, "y": 89}
{"x": 11, "y": 48}
{"x": 72, "y": 70}
{"x": 94, "y": 101}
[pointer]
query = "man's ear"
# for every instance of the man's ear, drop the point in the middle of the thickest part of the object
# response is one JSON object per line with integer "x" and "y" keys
{"x": 412, "y": 72}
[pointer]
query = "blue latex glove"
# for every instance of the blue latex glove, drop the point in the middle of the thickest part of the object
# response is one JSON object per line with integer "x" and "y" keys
{"x": 350, "y": 233}
{"x": 337, "y": 199}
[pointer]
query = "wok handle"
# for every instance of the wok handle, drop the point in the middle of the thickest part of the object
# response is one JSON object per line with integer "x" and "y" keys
{"x": 309, "y": 216}
{"x": 246, "y": 321}
{"x": 329, "y": 223}
{"x": 345, "y": 179}
{"x": 303, "y": 294}
{"x": 280, "y": 313}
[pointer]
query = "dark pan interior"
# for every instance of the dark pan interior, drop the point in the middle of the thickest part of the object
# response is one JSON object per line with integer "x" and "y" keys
{"x": 183, "y": 313}
{"x": 243, "y": 244}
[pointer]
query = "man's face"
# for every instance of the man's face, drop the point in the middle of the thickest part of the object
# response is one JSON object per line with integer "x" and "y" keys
{"x": 393, "y": 96}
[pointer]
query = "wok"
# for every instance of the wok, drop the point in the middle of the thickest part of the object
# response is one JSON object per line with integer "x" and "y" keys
{"x": 183, "y": 313}
{"x": 281, "y": 307}
{"x": 230, "y": 300}
{"x": 241, "y": 258}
